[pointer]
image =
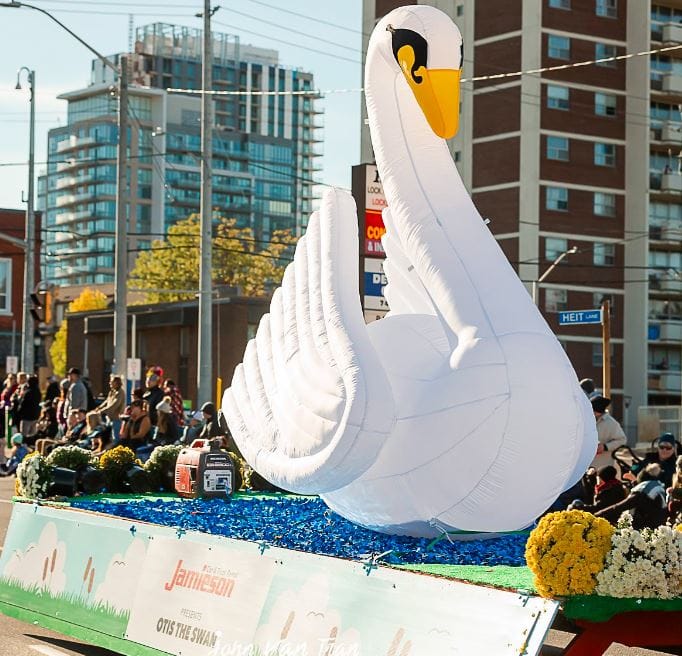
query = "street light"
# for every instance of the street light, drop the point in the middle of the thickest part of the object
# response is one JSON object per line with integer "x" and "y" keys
{"x": 121, "y": 255}
{"x": 27, "y": 346}
{"x": 537, "y": 282}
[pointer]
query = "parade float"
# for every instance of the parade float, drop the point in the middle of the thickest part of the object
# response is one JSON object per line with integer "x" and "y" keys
{"x": 416, "y": 446}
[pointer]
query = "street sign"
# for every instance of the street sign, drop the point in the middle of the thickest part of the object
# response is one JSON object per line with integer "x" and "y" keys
{"x": 579, "y": 317}
{"x": 11, "y": 364}
{"x": 134, "y": 369}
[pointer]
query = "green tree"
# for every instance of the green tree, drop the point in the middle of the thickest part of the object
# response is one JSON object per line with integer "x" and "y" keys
{"x": 238, "y": 260}
{"x": 89, "y": 299}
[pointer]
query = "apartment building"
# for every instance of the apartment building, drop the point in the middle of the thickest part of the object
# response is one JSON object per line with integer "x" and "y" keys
{"x": 265, "y": 155}
{"x": 584, "y": 157}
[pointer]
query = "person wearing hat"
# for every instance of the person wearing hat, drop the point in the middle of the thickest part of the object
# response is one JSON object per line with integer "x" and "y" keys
{"x": 77, "y": 395}
{"x": 166, "y": 431}
{"x": 17, "y": 454}
{"x": 211, "y": 427}
{"x": 609, "y": 432}
{"x": 665, "y": 455}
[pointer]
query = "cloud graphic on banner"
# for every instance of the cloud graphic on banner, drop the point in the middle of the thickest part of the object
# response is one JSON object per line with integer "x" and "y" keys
{"x": 121, "y": 577}
{"x": 41, "y": 564}
{"x": 303, "y": 621}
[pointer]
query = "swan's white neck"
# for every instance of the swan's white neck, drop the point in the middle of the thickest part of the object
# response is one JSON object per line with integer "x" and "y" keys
{"x": 451, "y": 248}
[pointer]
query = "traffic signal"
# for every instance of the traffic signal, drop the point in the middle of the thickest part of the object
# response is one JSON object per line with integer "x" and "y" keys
{"x": 36, "y": 306}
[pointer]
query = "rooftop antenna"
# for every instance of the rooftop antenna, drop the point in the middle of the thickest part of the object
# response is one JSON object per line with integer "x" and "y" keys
{"x": 131, "y": 36}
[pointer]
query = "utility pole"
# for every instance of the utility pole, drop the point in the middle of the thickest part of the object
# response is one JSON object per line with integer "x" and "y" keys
{"x": 205, "y": 319}
{"x": 606, "y": 346}
{"x": 121, "y": 247}
{"x": 121, "y": 263}
{"x": 27, "y": 346}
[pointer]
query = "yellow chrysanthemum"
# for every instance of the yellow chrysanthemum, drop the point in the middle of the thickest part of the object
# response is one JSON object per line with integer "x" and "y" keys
{"x": 566, "y": 551}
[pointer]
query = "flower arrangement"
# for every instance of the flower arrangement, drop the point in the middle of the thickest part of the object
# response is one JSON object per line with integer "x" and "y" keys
{"x": 566, "y": 552}
{"x": 116, "y": 463}
{"x": 33, "y": 476}
{"x": 161, "y": 466}
{"x": 71, "y": 457}
{"x": 645, "y": 564}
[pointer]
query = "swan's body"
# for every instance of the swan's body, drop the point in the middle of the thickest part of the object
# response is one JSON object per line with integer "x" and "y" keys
{"x": 460, "y": 409}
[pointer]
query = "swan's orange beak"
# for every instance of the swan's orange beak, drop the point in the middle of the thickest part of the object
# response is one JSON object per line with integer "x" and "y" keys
{"x": 436, "y": 91}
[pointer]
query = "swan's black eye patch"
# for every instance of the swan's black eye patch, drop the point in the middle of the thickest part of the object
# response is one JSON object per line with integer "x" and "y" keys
{"x": 418, "y": 44}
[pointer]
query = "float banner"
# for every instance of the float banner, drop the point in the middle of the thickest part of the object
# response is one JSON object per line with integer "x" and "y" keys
{"x": 188, "y": 597}
{"x": 142, "y": 589}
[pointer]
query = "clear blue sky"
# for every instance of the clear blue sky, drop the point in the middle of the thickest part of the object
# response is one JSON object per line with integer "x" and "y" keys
{"x": 62, "y": 64}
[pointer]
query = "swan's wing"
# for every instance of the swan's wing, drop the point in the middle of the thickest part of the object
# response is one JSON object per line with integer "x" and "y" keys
{"x": 310, "y": 406}
{"x": 404, "y": 292}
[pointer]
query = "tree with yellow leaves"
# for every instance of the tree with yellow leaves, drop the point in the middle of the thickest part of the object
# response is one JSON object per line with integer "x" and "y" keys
{"x": 238, "y": 260}
{"x": 89, "y": 299}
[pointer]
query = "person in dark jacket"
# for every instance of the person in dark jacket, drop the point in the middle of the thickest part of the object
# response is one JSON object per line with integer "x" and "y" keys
{"x": 647, "y": 501}
{"x": 153, "y": 395}
{"x": 28, "y": 410}
{"x": 53, "y": 390}
{"x": 608, "y": 491}
{"x": 666, "y": 452}
{"x": 211, "y": 427}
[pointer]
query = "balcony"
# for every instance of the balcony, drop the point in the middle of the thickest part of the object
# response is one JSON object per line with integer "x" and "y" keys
{"x": 66, "y": 182}
{"x": 668, "y": 381}
{"x": 672, "y": 83}
{"x": 671, "y": 133}
{"x": 665, "y": 331}
{"x": 671, "y": 331}
{"x": 671, "y": 34}
{"x": 73, "y": 143}
{"x": 671, "y": 183}
{"x": 671, "y": 285}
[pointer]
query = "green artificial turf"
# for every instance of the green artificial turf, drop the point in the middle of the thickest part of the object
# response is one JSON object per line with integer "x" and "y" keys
{"x": 499, "y": 576}
{"x": 601, "y": 609}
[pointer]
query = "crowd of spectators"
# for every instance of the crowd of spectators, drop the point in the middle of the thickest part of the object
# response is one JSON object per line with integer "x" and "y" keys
{"x": 69, "y": 414}
{"x": 649, "y": 488}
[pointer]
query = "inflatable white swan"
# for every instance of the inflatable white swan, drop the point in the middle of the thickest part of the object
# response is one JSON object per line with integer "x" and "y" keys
{"x": 459, "y": 411}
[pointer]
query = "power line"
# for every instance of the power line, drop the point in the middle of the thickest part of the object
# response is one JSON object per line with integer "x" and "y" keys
{"x": 310, "y": 18}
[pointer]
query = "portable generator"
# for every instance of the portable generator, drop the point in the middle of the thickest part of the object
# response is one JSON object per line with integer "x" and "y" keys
{"x": 203, "y": 470}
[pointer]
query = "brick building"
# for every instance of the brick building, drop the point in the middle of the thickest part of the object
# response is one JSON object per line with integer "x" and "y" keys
{"x": 12, "y": 230}
{"x": 585, "y": 157}
{"x": 165, "y": 335}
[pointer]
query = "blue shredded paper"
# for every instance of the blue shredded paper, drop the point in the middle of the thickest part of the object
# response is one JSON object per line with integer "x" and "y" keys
{"x": 306, "y": 524}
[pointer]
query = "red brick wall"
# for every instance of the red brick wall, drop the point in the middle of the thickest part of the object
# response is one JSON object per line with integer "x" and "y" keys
{"x": 494, "y": 17}
{"x": 12, "y": 223}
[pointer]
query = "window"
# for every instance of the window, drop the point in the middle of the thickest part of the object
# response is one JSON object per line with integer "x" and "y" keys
{"x": 607, "y": 8}
{"x": 599, "y": 297}
{"x": 604, "y": 104}
{"x": 604, "y": 154}
{"x": 460, "y": 10}
{"x": 556, "y": 300}
{"x": 556, "y": 198}
{"x": 554, "y": 246}
{"x": 5, "y": 285}
{"x": 557, "y": 97}
{"x": 604, "y": 254}
{"x": 558, "y": 47}
{"x": 604, "y": 204}
{"x": 597, "y": 351}
{"x": 560, "y": 4}
{"x": 557, "y": 148}
{"x": 603, "y": 51}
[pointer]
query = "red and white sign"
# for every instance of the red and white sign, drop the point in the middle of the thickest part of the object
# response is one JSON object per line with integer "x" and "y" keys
{"x": 186, "y": 597}
{"x": 375, "y": 202}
